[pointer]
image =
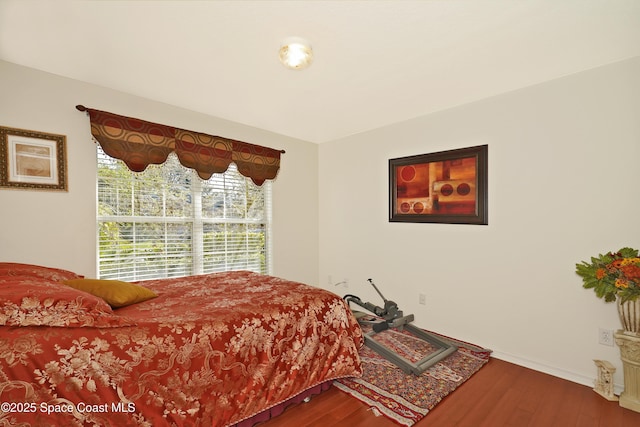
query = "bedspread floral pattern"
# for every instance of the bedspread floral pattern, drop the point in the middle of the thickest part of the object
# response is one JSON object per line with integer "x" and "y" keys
{"x": 210, "y": 350}
{"x": 33, "y": 301}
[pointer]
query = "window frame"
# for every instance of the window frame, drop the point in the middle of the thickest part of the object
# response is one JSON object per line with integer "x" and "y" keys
{"x": 198, "y": 221}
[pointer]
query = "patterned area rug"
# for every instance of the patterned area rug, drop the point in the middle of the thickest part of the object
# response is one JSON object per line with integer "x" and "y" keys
{"x": 407, "y": 398}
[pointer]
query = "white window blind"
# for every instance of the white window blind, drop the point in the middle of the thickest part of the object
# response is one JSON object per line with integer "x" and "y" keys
{"x": 167, "y": 222}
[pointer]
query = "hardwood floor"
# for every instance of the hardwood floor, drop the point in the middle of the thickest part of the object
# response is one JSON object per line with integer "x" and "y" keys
{"x": 500, "y": 394}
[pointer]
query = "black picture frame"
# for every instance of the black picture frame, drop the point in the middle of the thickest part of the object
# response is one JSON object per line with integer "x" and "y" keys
{"x": 448, "y": 187}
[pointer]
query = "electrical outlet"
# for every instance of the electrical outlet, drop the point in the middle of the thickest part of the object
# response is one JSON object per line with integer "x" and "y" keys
{"x": 422, "y": 299}
{"x": 605, "y": 337}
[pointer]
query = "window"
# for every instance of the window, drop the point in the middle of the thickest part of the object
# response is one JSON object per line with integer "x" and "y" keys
{"x": 167, "y": 222}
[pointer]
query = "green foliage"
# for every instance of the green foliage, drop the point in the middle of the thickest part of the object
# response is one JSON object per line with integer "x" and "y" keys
{"x": 612, "y": 275}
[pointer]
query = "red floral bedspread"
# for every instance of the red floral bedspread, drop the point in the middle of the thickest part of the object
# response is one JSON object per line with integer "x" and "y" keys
{"x": 210, "y": 350}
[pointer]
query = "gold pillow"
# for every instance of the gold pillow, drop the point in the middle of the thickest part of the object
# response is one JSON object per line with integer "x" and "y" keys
{"x": 114, "y": 292}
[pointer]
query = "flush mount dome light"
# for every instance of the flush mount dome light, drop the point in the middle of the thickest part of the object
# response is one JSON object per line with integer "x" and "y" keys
{"x": 296, "y": 53}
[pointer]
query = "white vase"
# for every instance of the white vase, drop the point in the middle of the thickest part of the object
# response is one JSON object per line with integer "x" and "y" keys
{"x": 629, "y": 312}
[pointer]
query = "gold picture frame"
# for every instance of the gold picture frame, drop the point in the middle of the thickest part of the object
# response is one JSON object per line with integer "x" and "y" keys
{"x": 32, "y": 160}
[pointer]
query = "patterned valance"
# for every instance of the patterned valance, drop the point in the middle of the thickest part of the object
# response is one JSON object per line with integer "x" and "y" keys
{"x": 139, "y": 143}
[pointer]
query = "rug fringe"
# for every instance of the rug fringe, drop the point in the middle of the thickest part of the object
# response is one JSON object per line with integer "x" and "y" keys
{"x": 380, "y": 408}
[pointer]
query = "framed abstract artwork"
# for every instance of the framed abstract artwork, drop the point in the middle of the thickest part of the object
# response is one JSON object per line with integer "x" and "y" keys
{"x": 443, "y": 187}
{"x": 32, "y": 160}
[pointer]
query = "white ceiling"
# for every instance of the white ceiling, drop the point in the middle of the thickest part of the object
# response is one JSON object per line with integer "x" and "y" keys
{"x": 376, "y": 62}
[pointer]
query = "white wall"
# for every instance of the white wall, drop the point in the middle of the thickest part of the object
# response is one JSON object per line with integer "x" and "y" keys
{"x": 58, "y": 228}
{"x": 563, "y": 185}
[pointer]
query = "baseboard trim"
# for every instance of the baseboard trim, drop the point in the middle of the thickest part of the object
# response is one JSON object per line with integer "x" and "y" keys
{"x": 560, "y": 373}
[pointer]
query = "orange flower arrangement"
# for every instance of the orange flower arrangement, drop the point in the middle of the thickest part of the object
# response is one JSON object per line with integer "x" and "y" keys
{"x": 612, "y": 275}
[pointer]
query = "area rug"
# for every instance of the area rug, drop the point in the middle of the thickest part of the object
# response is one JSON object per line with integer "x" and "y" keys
{"x": 407, "y": 398}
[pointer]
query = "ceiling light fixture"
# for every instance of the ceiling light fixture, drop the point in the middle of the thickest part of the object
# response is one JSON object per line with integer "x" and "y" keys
{"x": 296, "y": 53}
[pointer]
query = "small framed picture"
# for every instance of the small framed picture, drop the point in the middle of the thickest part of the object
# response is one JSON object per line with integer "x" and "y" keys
{"x": 32, "y": 160}
{"x": 446, "y": 187}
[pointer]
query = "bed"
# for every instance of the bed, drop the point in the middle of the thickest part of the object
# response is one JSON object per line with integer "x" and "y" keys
{"x": 219, "y": 349}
